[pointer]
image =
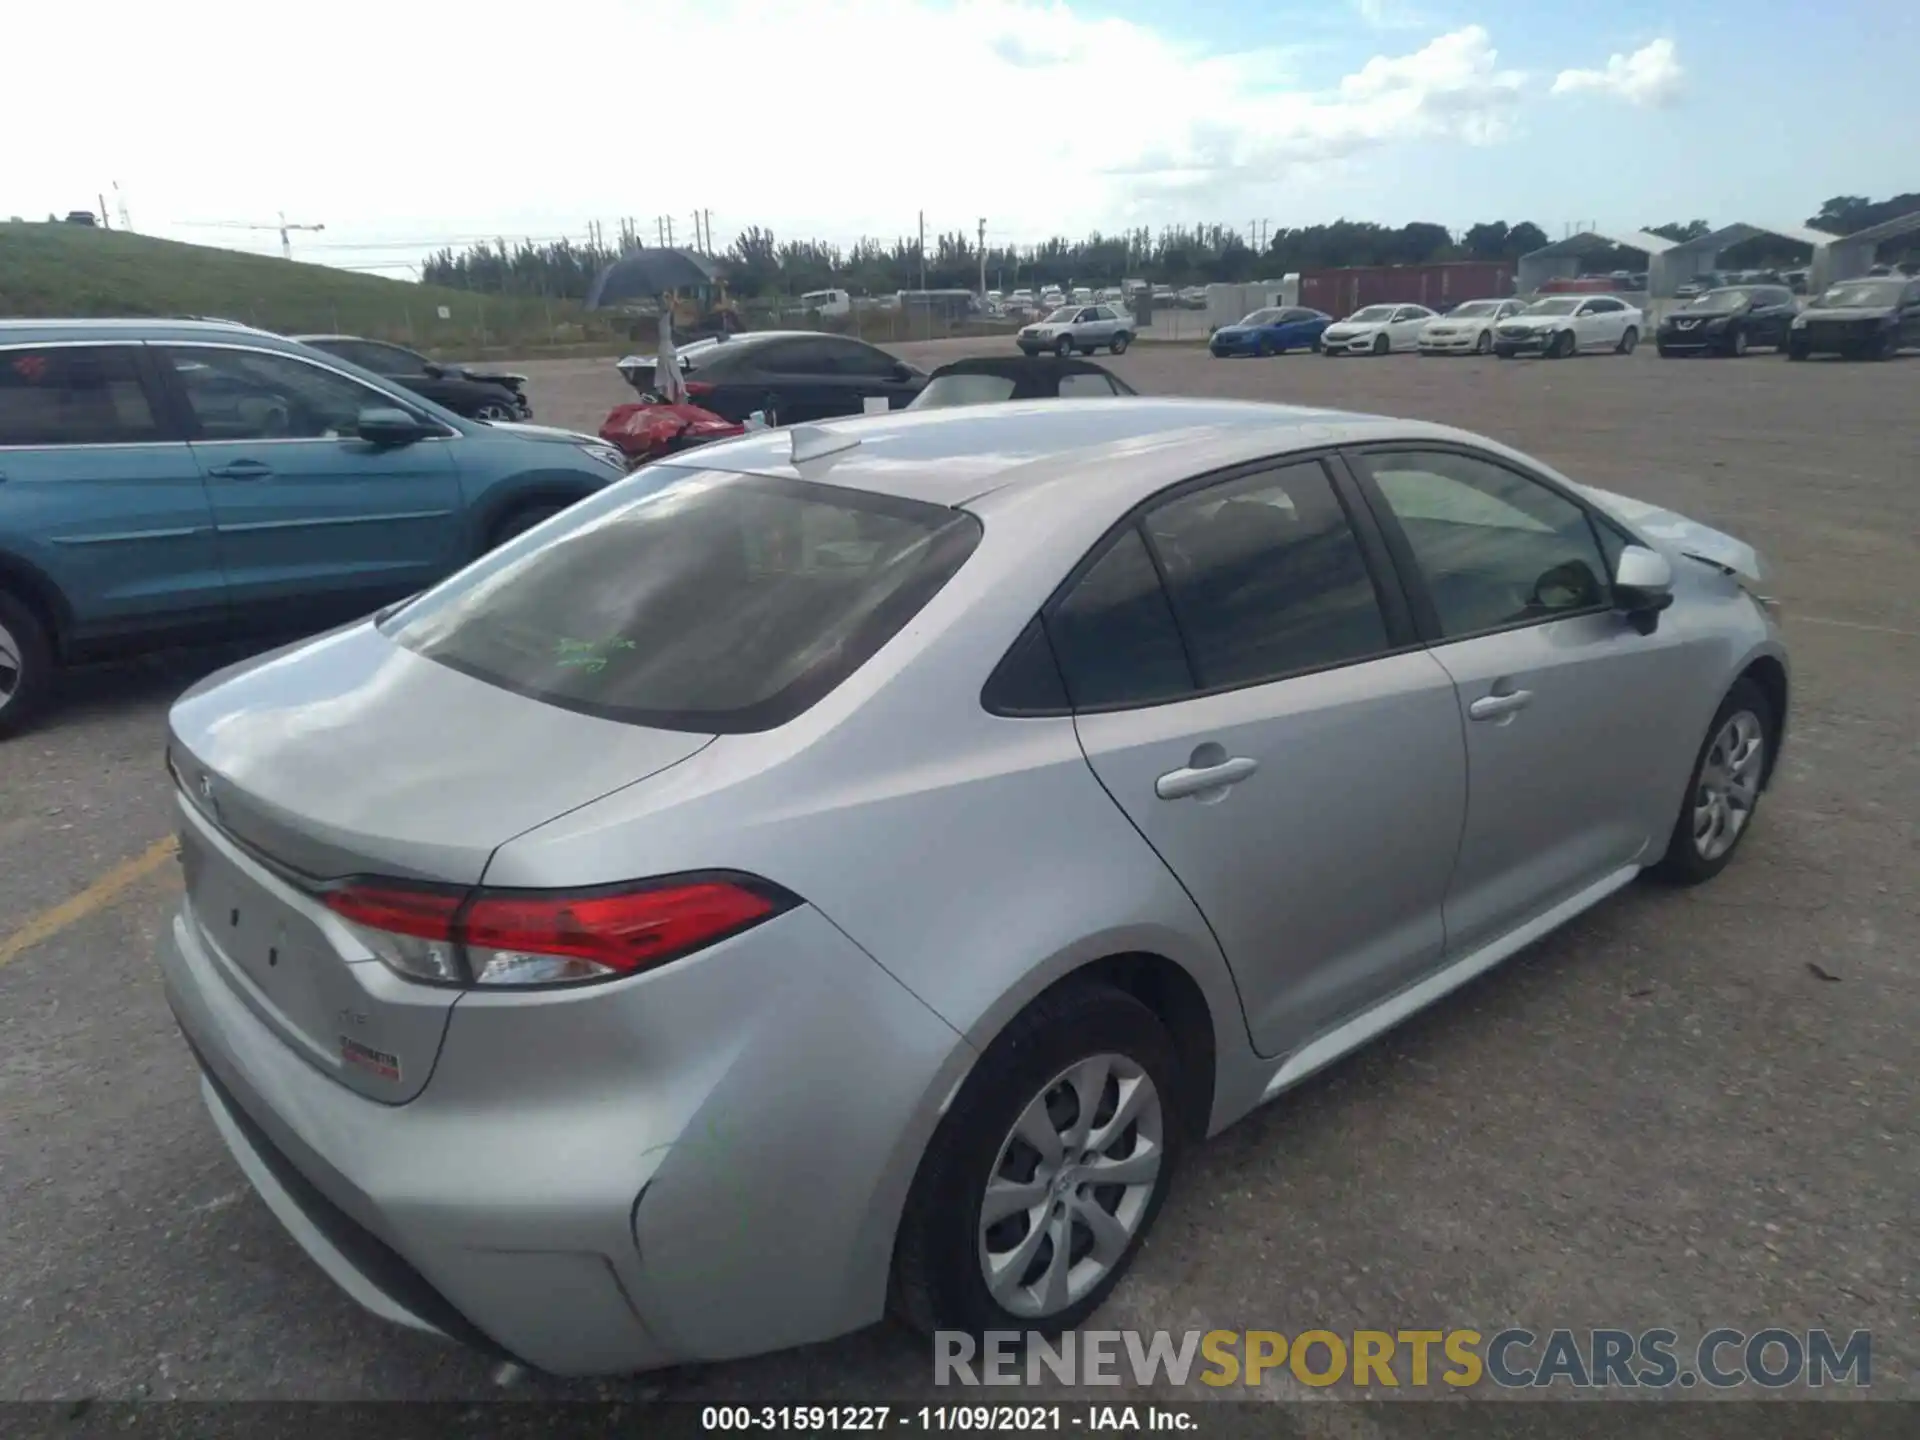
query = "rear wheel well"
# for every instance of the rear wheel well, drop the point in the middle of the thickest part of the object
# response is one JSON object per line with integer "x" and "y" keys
{"x": 38, "y": 594}
{"x": 1176, "y": 999}
{"x": 1771, "y": 676}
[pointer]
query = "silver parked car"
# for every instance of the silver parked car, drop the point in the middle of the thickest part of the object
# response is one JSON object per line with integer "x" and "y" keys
{"x": 1082, "y": 328}
{"x": 843, "y": 868}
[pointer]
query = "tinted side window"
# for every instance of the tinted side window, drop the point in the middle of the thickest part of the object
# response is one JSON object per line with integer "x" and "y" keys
{"x": 386, "y": 359}
{"x": 1114, "y": 634}
{"x": 852, "y": 358}
{"x": 1267, "y": 578}
{"x": 73, "y": 395}
{"x": 257, "y": 395}
{"x": 797, "y": 357}
{"x": 1494, "y": 547}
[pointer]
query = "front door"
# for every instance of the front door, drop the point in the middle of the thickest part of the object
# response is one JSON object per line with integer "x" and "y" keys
{"x": 101, "y": 492}
{"x": 314, "y": 524}
{"x": 1263, "y": 723}
{"x": 1576, "y": 724}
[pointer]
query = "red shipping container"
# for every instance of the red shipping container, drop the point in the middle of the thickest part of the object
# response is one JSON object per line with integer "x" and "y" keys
{"x": 1439, "y": 286}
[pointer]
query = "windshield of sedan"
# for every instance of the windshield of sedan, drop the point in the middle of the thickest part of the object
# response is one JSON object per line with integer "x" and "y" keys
{"x": 693, "y": 600}
{"x": 1720, "y": 300}
{"x": 1372, "y": 315}
{"x": 1263, "y": 317}
{"x": 1552, "y": 306}
{"x": 1862, "y": 293}
{"x": 1064, "y": 315}
{"x": 1472, "y": 308}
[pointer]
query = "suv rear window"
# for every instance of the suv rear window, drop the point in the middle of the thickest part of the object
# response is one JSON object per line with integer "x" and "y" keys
{"x": 693, "y": 600}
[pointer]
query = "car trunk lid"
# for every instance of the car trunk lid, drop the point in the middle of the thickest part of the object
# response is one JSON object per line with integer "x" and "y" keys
{"x": 353, "y": 757}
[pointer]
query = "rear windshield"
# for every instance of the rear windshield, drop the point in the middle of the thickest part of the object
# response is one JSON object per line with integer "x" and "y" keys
{"x": 693, "y": 600}
{"x": 964, "y": 389}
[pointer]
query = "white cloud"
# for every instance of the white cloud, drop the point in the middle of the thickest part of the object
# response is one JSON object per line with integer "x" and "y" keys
{"x": 1388, "y": 15}
{"x": 1650, "y": 76}
{"x": 390, "y": 125}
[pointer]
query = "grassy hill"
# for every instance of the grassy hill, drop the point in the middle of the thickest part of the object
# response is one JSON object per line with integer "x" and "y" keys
{"x": 72, "y": 270}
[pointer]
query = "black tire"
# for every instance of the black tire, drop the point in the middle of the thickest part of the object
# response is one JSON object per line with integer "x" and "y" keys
{"x": 1683, "y": 863}
{"x": 1120, "y": 343}
{"x": 1261, "y": 350}
{"x": 1381, "y": 345}
{"x": 1501, "y": 352}
{"x": 1888, "y": 347}
{"x": 1561, "y": 346}
{"x": 1737, "y": 343}
{"x": 1063, "y": 347}
{"x": 516, "y": 523}
{"x": 1318, "y": 348}
{"x": 1330, "y": 354}
{"x": 1484, "y": 343}
{"x": 937, "y": 1279}
{"x": 1798, "y": 352}
{"x": 26, "y": 665}
{"x": 1628, "y": 341}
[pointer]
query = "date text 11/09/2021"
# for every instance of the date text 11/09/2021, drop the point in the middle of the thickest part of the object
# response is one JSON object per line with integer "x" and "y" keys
{"x": 843, "y": 1419}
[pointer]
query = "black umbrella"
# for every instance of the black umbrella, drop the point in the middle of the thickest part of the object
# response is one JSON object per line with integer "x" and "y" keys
{"x": 643, "y": 274}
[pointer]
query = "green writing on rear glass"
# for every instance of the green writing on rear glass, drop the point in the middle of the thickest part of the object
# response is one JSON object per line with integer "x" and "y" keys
{"x": 588, "y": 655}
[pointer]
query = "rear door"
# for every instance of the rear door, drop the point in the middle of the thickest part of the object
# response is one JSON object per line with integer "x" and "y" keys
{"x": 99, "y": 490}
{"x": 1267, "y": 722}
{"x": 313, "y": 523}
{"x": 1577, "y": 726}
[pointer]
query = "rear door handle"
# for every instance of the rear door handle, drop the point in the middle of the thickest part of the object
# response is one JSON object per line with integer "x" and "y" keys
{"x": 1178, "y": 784}
{"x": 241, "y": 470}
{"x": 1492, "y": 707}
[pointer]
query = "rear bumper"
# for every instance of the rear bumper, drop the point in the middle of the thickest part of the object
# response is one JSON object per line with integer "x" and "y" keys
{"x": 700, "y": 1164}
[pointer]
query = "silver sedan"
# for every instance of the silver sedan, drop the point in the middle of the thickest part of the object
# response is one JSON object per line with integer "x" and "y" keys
{"x": 842, "y": 869}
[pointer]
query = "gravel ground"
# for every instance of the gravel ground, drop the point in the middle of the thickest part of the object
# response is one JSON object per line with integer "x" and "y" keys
{"x": 1687, "y": 1109}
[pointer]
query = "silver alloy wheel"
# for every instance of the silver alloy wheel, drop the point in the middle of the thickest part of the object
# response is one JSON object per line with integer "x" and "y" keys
{"x": 493, "y": 410}
{"x": 11, "y": 665}
{"x": 1071, "y": 1185}
{"x": 1729, "y": 784}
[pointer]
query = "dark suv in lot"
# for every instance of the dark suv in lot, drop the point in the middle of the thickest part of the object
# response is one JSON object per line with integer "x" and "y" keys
{"x": 167, "y": 481}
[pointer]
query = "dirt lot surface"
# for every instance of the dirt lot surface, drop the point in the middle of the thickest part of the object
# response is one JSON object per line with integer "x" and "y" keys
{"x": 1687, "y": 1109}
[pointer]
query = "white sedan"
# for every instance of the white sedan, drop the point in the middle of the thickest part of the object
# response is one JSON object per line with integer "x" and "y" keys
{"x": 1376, "y": 330}
{"x": 1558, "y": 325}
{"x": 1468, "y": 328}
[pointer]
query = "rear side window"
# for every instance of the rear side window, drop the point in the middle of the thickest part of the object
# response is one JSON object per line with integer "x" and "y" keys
{"x": 1114, "y": 635}
{"x": 73, "y": 395}
{"x": 1267, "y": 578}
{"x": 694, "y": 600}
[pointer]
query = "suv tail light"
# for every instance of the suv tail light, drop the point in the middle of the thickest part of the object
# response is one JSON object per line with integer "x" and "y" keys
{"x": 519, "y": 938}
{"x": 699, "y": 387}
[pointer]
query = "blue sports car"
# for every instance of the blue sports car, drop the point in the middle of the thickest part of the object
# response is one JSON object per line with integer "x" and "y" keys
{"x": 1271, "y": 332}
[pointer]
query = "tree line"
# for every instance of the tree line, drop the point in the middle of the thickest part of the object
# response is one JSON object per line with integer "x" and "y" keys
{"x": 758, "y": 263}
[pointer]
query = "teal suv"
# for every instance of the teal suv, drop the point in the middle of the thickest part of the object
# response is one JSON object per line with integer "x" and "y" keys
{"x": 167, "y": 482}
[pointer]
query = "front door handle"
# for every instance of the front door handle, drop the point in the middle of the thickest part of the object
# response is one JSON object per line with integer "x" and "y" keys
{"x": 1198, "y": 780}
{"x": 1492, "y": 707}
{"x": 241, "y": 470}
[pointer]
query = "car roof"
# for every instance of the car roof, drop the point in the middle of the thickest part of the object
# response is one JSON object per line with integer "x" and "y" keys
{"x": 1019, "y": 367}
{"x": 109, "y": 331}
{"x": 959, "y": 456}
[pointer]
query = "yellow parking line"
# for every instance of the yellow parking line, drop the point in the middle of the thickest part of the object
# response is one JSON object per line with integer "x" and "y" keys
{"x": 95, "y": 898}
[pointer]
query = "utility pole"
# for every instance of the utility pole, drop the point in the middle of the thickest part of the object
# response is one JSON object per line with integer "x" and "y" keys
{"x": 707, "y": 220}
{"x": 923, "y": 249}
{"x": 660, "y": 229}
{"x": 669, "y": 220}
{"x": 120, "y": 201}
{"x": 983, "y": 256}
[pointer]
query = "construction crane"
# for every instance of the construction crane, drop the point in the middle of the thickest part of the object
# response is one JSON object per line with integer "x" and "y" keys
{"x": 285, "y": 229}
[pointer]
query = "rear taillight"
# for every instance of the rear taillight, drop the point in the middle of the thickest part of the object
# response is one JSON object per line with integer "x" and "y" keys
{"x": 547, "y": 937}
{"x": 699, "y": 387}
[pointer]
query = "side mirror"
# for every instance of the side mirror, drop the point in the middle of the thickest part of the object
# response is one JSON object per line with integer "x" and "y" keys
{"x": 903, "y": 372}
{"x": 433, "y": 371}
{"x": 1642, "y": 586}
{"x": 381, "y": 426}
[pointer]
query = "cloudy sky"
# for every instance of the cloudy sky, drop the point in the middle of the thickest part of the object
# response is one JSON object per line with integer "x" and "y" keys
{"x": 402, "y": 124}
